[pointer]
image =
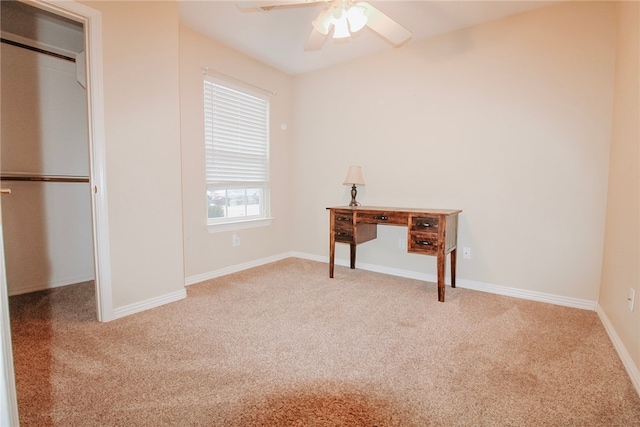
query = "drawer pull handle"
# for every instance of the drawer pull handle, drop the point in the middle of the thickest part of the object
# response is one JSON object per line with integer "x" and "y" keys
{"x": 424, "y": 224}
{"x": 342, "y": 234}
{"x": 343, "y": 218}
{"x": 381, "y": 217}
{"x": 424, "y": 243}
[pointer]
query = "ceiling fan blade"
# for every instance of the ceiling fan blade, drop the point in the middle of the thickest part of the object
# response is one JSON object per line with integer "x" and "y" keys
{"x": 385, "y": 26}
{"x": 268, "y": 4}
{"x": 315, "y": 41}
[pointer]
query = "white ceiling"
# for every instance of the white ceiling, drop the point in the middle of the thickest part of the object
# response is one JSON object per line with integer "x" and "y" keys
{"x": 277, "y": 37}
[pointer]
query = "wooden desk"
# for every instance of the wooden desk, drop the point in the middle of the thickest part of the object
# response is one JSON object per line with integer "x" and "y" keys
{"x": 429, "y": 232}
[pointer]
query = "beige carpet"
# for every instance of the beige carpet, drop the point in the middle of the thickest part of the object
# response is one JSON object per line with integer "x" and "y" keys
{"x": 284, "y": 345}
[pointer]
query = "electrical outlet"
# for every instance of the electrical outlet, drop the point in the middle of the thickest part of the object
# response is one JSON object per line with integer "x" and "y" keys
{"x": 632, "y": 298}
{"x": 401, "y": 243}
{"x": 466, "y": 253}
{"x": 236, "y": 240}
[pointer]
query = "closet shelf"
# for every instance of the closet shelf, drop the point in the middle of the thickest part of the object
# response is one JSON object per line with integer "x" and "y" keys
{"x": 44, "y": 178}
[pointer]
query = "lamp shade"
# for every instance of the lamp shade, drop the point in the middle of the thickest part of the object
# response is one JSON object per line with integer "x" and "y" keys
{"x": 354, "y": 176}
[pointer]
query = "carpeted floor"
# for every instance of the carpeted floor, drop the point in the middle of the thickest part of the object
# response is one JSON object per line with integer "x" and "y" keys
{"x": 284, "y": 345}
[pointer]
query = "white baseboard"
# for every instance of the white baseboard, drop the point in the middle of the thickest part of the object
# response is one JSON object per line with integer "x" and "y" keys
{"x": 528, "y": 295}
{"x": 138, "y": 307}
{"x": 627, "y": 360}
{"x": 191, "y": 280}
{"x": 18, "y": 290}
{"x": 462, "y": 283}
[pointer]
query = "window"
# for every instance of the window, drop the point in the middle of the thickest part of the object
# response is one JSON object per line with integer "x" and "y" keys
{"x": 237, "y": 153}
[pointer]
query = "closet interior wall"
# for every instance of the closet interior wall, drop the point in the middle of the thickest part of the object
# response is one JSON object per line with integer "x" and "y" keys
{"x": 44, "y": 152}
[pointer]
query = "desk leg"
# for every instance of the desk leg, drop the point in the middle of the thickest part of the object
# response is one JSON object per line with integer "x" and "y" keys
{"x": 441, "y": 264}
{"x": 453, "y": 268}
{"x": 332, "y": 254}
{"x": 353, "y": 256}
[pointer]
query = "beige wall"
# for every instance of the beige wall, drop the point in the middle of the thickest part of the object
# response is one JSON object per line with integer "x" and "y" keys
{"x": 621, "y": 262}
{"x": 206, "y": 253}
{"x": 509, "y": 121}
{"x": 142, "y": 120}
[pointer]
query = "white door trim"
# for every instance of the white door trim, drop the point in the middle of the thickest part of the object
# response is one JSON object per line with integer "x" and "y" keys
{"x": 8, "y": 396}
{"x": 92, "y": 22}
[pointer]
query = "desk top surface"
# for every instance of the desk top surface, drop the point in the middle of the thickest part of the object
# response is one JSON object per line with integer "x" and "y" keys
{"x": 392, "y": 209}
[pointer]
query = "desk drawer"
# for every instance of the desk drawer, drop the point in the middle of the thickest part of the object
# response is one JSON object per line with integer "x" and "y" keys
{"x": 344, "y": 236}
{"x": 343, "y": 226}
{"x": 424, "y": 243}
{"x": 343, "y": 231}
{"x": 425, "y": 224}
{"x": 343, "y": 217}
{"x": 381, "y": 217}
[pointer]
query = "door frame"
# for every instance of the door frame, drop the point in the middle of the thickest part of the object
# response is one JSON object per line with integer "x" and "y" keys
{"x": 91, "y": 19}
{"x": 8, "y": 396}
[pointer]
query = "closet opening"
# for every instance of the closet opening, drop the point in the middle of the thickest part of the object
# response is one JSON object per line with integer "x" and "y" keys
{"x": 46, "y": 156}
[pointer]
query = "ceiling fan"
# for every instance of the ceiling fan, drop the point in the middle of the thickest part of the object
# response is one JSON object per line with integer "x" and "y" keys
{"x": 344, "y": 17}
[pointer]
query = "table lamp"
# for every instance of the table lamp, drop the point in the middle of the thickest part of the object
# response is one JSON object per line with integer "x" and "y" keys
{"x": 354, "y": 177}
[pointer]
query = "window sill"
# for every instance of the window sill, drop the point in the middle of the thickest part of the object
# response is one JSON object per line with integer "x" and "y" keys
{"x": 238, "y": 225}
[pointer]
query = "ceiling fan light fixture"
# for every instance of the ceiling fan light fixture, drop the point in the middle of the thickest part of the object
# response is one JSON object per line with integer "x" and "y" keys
{"x": 356, "y": 15}
{"x": 340, "y": 25}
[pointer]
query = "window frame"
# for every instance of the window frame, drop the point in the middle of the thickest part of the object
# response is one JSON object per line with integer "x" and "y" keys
{"x": 239, "y": 222}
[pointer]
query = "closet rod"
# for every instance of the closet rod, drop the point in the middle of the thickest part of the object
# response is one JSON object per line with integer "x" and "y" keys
{"x": 35, "y": 49}
{"x": 44, "y": 178}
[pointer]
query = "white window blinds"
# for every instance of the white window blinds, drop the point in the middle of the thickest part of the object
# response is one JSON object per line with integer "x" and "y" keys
{"x": 236, "y": 135}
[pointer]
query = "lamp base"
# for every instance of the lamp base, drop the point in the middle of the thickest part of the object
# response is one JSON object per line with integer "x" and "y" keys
{"x": 354, "y": 193}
